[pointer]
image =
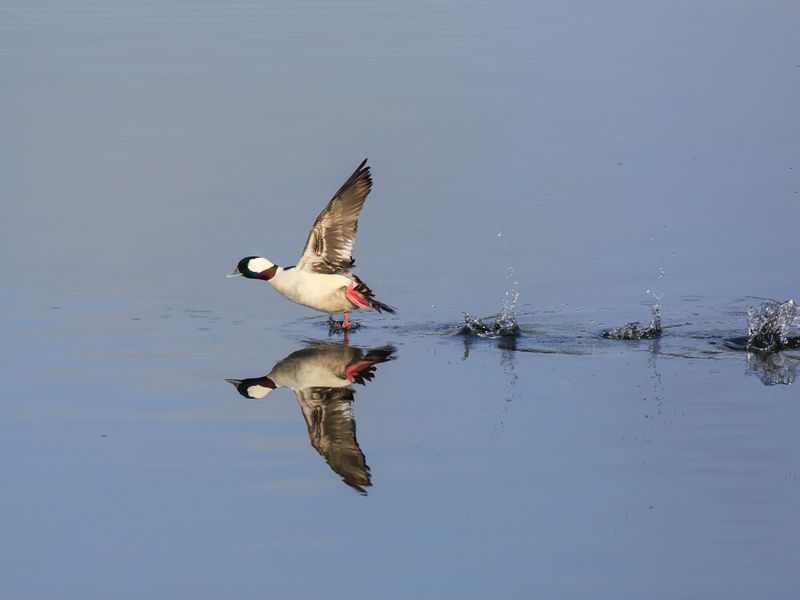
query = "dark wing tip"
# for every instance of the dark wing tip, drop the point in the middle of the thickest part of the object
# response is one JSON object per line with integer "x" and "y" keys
{"x": 361, "y": 177}
{"x": 330, "y": 241}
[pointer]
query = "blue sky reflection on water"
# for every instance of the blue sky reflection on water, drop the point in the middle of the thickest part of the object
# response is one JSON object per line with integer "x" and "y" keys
{"x": 151, "y": 145}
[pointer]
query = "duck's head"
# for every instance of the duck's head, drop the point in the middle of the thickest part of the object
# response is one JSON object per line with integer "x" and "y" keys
{"x": 254, "y": 388}
{"x": 255, "y": 267}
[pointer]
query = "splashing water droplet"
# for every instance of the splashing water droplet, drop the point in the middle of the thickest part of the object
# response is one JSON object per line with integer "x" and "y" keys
{"x": 769, "y": 326}
{"x": 637, "y": 331}
{"x": 505, "y": 324}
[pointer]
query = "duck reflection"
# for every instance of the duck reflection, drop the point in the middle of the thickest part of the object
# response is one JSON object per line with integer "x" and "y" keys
{"x": 322, "y": 377}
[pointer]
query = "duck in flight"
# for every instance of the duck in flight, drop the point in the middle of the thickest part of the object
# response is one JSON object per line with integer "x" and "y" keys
{"x": 322, "y": 279}
{"x": 322, "y": 377}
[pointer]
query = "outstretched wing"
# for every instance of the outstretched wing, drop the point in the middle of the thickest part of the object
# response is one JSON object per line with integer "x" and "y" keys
{"x": 329, "y": 248}
{"x": 332, "y": 432}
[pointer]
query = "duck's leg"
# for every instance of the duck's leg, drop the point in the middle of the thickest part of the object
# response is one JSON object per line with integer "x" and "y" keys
{"x": 346, "y": 328}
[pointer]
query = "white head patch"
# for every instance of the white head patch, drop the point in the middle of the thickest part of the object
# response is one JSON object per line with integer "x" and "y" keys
{"x": 256, "y": 392}
{"x": 257, "y": 265}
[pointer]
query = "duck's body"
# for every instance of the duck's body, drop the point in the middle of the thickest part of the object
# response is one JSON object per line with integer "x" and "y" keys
{"x": 321, "y": 378}
{"x": 323, "y": 292}
{"x": 322, "y": 279}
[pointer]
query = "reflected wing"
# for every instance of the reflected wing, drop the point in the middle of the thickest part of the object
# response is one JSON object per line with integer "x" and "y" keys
{"x": 329, "y": 248}
{"x": 332, "y": 432}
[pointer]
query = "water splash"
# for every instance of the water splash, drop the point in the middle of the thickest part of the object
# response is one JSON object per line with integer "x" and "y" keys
{"x": 505, "y": 323}
{"x": 502, "y": 326}
{"x": 507, "y": 319}
{"x": 335, "y": 326}
{"x": 769, "y": 326}
{"x": 637, "y": 331}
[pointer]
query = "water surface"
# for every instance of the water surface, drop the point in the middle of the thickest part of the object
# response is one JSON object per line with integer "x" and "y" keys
{"x": 604, "y": 151}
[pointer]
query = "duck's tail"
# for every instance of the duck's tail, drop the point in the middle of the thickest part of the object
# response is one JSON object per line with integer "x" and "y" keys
{"x": 380, "y": 306}
{"x": 361, "y": 296}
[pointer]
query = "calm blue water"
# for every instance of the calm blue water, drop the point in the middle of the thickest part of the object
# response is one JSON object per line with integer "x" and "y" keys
{"x": 590, "y": 146}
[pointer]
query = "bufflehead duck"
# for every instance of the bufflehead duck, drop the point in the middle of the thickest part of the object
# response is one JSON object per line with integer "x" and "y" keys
{"x": 322, "y": 279}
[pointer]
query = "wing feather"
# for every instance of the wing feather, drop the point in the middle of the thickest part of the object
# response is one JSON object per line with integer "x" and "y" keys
{"x": 329, "y": 248}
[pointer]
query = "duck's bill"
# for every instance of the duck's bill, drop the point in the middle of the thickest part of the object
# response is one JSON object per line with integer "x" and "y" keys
{"x": 235, "y": 382}
{"x": 236, "y": 273}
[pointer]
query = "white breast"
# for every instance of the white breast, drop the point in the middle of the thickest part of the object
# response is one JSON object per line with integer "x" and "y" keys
{"x": 315, "y": 290}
